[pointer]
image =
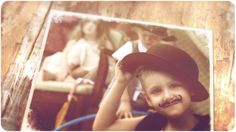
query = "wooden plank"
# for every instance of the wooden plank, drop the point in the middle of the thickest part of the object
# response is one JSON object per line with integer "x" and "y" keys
{"x": 16, "y": 85}
{"x": 16, "y": 17}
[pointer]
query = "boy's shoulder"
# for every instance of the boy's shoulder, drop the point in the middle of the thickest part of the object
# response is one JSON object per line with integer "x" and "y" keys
{"x": 203, "y": 123}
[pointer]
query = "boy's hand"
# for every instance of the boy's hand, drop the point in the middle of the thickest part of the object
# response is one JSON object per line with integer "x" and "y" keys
{"x": 124, "y": 110}
{"x": 121, "y": 76}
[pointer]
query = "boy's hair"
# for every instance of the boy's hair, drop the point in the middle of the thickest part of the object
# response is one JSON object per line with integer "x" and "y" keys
{"x": 169, "y": 59}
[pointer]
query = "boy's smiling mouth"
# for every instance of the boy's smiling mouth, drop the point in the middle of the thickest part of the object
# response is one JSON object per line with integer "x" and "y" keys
{"x": 171, "y": 102}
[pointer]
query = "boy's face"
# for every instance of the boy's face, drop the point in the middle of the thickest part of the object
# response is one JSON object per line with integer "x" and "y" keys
{"x": 165, "y": 94}
{"x": 148, "y": 39}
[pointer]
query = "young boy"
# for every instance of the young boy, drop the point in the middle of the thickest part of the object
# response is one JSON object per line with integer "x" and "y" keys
{"x": 169, "y": 77}
{"x": 147, "y": 37}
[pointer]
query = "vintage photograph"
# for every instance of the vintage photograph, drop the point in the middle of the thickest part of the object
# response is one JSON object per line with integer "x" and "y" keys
{"x": 105, "y": 73}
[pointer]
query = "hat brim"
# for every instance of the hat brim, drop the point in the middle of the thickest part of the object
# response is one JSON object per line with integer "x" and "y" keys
{"x": 132, "y": 62}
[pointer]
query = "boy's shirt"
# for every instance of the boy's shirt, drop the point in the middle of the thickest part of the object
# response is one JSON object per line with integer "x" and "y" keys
{"x": 157, "y": 122}
{"x": 127, "y": 48}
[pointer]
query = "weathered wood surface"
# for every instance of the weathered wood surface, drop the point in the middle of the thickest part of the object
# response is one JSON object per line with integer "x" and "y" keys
{"x": 16, "y": 85}
{"x": 18, "y": 18}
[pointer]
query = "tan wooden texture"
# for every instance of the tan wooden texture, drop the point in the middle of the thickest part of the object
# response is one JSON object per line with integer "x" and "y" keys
{"x": 19, "y": 17}
{"x": 17, "y": 82}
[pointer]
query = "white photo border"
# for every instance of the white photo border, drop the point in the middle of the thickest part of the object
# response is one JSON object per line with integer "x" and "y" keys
{"x": 112, "y": 19}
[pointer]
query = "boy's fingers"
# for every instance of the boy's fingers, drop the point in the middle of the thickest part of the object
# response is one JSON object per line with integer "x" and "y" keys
{"x": 121, "y": 116}
{"x": 117, "y": 113}
{"x": 126, "y": 115}
{"x": 118, "y": 64}
{"x": 130, "y": 115}
{"x": 118, "y": 116}
{"x": 136, "y": 72}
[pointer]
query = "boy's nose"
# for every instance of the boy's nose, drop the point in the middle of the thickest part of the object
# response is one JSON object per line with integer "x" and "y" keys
{"x": 167, "y": 95}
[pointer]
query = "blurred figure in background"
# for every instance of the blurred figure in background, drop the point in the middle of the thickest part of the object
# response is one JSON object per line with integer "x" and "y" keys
{"x": 80, "y": 57}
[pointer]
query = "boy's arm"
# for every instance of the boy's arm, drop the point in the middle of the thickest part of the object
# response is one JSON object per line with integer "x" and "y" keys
{"x": 125, "y": 108}
{"x": 106, "y": 114}
{"x": 106, "y": 118}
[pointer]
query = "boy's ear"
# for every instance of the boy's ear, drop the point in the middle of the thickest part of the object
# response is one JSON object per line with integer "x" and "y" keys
{"x": 147, "y": 98}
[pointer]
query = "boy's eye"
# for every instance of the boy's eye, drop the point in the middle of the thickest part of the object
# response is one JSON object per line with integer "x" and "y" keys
{"x": 155, "y": 91}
